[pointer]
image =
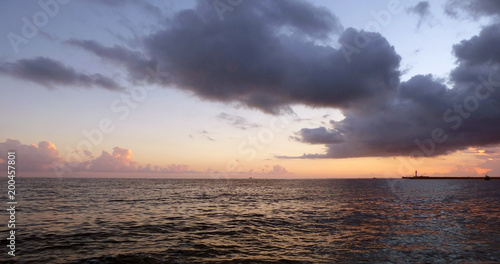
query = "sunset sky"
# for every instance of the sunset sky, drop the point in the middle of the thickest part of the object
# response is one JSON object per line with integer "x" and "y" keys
{"x": 251, "y": 88}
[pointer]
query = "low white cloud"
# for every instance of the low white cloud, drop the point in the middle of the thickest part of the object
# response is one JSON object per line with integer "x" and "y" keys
{"x": 177, "y": 168}
{"x": 278, "y": 169}
{"x": 119, "y": 160}
{"x": 44, "y": 156}
{"x": 30, "y": 157}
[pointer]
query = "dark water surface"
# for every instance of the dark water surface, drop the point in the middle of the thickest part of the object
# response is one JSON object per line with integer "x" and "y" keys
{"x": 255, "y": 221}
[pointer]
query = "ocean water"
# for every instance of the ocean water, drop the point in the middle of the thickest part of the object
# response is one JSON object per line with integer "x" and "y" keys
{"x": 255, "y": 221}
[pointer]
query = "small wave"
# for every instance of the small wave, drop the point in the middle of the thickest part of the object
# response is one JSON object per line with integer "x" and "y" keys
{"x": 127, "y": 259}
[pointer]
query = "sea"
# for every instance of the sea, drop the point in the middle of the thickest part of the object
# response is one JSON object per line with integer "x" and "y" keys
{"x": 63, "y": 220}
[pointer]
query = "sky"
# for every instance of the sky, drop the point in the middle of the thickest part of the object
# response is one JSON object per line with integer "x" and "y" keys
{"x": 238, "y": 88}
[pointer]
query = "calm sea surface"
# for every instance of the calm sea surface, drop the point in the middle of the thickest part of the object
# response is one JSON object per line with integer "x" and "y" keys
{"x": 254, "y": 221}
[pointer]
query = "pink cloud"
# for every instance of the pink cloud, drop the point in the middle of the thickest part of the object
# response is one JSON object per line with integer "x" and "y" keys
{"x": 278, "y": 169}
{"x": 275, "y": 170}
{"x": 119, "y": 160}
{"x": 44, "y": 156}
{"x": 178, "y": 168}
{"x": 31, "y": 157}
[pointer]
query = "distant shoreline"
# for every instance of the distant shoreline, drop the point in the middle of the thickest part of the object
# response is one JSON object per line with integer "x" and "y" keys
{"x": 448, "y": 178}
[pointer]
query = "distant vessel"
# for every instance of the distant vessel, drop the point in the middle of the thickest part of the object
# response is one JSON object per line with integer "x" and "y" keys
{"x": 416, "y": 176}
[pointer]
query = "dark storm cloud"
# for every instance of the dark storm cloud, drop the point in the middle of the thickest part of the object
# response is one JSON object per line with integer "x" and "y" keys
{"x": 236, "y": 121}
{"x": 116, "y": 53}
{"x": 389, "y": 128}
{"x": 51, "y": 73}
{"x": 432, "y": 122}
{"x": 477, "y": 57}
{"x": 476, "y": 8}
{"x": 483, "y": 48}
{"x": 148, "y": 7}
{"x": 134, "y": 61}
{"x": 424, "y": 117}
{"x": 422, "y": 9}
{"x": 264, "y": 55}
{"x": 318, "y": 135}
{"x": 267, "y": 55}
